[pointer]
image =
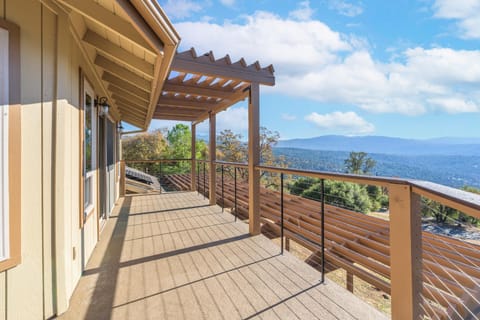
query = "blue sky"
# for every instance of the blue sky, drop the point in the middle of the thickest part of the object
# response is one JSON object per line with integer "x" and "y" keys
{"x": 400, "y": 68}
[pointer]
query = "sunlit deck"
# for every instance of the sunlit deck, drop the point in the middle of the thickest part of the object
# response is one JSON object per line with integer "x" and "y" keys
{"x": 172, "y": 256}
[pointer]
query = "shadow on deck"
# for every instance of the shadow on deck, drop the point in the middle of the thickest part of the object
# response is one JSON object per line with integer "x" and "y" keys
{"x": 171, "y": 256}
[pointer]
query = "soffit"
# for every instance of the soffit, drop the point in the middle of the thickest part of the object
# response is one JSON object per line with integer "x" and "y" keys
{"x": 126, "y": 56}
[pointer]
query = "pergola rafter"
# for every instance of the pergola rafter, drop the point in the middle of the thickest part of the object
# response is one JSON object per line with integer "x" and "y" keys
{"x": 198, "y": 85}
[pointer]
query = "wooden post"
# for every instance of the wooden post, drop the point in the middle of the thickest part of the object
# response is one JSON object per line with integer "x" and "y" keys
{"x": 349, "y": 281}
{"x": 123, "y": 177}
{"x": 212, "y": 151}
{"x": 405, "y": 252}
{"x": 193, "y": 178}
{"x": 254, "y": 159}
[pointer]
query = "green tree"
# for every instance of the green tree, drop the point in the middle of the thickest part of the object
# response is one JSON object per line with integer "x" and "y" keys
{"x": 445, "y": 214}
{"x": 179, "y": 142}
{"x": 180, "y": 147}
{"x": 359, "y": 163}
{"x": 144, "y": 146}
{"x": 347, "y": 195}
{"x": 464, "y": 217}
{"x": 230, "y": 147}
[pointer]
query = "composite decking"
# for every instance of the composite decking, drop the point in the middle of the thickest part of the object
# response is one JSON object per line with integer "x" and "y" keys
{"x": 172, "y": 256}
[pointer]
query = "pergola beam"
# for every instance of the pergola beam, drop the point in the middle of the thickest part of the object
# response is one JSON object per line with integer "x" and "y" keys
{"x": 206, "y": 65}
{"x": 178, "y": 111}
{"x": 224, "y": 104}
{"x": 176, "y": 118}
{"x": 122, "y": 73}
{"x": 119, "y": 54}
{"x": 198, "y": 91}
{"x": 192, "y": 104}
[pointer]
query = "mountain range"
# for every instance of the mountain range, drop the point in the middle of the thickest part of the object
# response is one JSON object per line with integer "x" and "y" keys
{"x": 387, "y": 145}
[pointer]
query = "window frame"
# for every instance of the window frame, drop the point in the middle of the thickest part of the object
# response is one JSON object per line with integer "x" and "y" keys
{"x": 14, "y": 148}
{"x": 86, "y": 212}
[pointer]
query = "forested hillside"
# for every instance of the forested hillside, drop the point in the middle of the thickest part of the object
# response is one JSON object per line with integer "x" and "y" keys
{"x": 456, "y": 171}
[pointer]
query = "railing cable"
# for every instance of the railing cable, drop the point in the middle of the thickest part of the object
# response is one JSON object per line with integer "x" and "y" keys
{"x": 323, "y": 229}
{"x": 235, "y": 192}
{"x": 223, "y": 199}
{"x": 281, "y": 212}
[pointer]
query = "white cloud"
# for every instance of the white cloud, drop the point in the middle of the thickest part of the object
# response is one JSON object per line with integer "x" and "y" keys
{"x": 315, "y": 62}
{"x": 289, "y": 117}
{"x": 466, "y": 13}
{"x": 292, "y": 46}
{"x": 228, "y": 3}
{"x": 345, "y": 8}
{"x": 181, "y": 8}
{"x": 234, "y": 118}
{"x": 303, "y": 13}
{"x": 344, "y": 122}
{"x": 456, "y": 105}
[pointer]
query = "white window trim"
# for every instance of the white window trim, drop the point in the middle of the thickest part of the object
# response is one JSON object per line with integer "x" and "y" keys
{"x": 4, "y": 176}
{"x": 90, "y": 176}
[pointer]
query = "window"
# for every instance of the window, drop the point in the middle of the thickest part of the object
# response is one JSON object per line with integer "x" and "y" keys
{"x": 10, "y": 145}
{"x": 89, "y": 147}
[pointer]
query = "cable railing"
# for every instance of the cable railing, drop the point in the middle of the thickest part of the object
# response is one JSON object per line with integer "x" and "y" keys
{"x": 378, "y": 250}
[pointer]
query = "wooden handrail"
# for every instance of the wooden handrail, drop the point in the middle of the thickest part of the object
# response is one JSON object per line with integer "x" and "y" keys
{"x": 157, "y": 160}
{"x": 461, "y": 200}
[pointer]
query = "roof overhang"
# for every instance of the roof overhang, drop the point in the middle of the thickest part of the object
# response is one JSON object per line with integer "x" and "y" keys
{"x": 199, "y": 85}
{"x": 129, "y": 47}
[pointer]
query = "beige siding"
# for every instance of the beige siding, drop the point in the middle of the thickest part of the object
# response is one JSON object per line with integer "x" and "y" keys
{"x": 2, "y": 274}
{"x": 24, "y": 282}
{"x": 50, "y": 61}
{"x": 2, "y": 293}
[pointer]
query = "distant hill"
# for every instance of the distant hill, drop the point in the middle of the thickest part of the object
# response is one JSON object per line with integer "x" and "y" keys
{"x": 455, "y": 171}
{"x": 388, "y": 145}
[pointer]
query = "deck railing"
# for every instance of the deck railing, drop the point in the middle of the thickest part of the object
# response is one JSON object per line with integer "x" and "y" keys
{"x": 427, "y": 275}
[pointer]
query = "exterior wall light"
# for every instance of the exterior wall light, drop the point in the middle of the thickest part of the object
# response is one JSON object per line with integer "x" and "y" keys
{"x": 103, "y": 106}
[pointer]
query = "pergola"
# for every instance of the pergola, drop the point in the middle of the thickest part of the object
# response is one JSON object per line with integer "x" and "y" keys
{"x": 199, "y": 87}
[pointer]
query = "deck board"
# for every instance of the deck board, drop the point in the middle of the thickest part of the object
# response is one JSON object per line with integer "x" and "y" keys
{"x": 172, "y": 256}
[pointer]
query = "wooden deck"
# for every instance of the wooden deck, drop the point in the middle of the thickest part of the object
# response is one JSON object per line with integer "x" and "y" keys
{"x": 172, "y": 256}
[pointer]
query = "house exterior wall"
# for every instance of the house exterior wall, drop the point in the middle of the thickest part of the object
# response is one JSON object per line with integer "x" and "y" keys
{"x": 55, "y": 248}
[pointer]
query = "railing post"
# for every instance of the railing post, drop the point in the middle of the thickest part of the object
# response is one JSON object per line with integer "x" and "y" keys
{"x": 193, "y": 158}
{"x": 160, "y": 179}
{"x": 235, "y": 192}
{"x": 198, "y": 177}
{"x": 323, "y": 229}
{"x": 123, "y": 178}
{"x": 405, "y": 252}
{"x": 281, "y": 212}
{"x": 204, "y": 179}
{"x": 223, "y": 198}
{"x": 212, "y": 181}
{"x": 254, "y": 159}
